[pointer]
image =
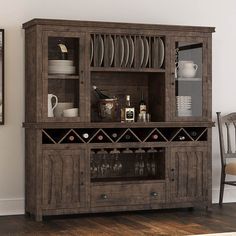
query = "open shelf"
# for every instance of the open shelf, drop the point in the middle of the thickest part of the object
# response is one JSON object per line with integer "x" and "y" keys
{"x": 117, "y": 84}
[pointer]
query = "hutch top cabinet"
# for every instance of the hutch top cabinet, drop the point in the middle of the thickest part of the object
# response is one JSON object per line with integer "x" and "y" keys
{"x": 82, "y": 153}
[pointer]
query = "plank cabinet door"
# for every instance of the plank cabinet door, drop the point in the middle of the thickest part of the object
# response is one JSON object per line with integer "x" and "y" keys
{"x": 63, "y": 179}
{"x": 189, "y": 174}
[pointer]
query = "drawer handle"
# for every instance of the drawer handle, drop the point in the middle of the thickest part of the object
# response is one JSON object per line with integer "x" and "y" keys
{"x": 104, "y": 196}
{"x": 154, "y": 194}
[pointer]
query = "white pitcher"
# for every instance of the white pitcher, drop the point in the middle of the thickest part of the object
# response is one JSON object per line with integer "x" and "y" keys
{"x": 50, "y": 106}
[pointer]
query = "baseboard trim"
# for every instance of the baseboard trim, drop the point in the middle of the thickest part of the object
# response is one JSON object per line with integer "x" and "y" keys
{"x": 14, "y": 206}
{"x": 229, "y": 194}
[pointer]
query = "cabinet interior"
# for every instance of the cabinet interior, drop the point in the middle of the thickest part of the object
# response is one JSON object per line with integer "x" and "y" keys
{"x": 119, "y": 84}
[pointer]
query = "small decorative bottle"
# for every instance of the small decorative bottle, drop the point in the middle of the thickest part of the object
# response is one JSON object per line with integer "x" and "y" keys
{"x": 129, "y": 112}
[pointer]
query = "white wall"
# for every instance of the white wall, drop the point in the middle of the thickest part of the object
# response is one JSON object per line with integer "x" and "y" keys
{"x": 221, "y": 14}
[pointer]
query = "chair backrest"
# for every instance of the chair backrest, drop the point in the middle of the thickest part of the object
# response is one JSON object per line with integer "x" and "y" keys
{"x": 227, "y": 122}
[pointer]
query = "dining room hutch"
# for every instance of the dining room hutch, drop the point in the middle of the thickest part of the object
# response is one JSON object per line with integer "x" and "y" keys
{"x": 95, "y": 162}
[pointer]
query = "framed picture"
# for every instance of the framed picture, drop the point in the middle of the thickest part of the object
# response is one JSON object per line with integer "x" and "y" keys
{"x": 1, "y": 76}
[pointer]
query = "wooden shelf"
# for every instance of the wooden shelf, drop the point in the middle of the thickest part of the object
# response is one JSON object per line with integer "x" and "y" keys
{"x": 120, "y": 69}
{"x": 189, "y": 79}
{"x": 42, "y": 125}
{"x": 62, "y": 76}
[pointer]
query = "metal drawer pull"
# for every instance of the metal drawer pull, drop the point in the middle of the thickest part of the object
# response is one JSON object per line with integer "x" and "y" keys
{"x": 154, "y": 194}
{"x": 104, "y": 196}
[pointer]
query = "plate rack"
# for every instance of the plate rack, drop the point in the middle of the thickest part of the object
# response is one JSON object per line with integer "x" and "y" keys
{"x": 127, "y": 51}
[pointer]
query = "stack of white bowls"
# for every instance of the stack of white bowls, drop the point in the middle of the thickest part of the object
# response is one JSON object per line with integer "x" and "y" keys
{"x": 61, "y": 67}
{"x": 184, "y": 105}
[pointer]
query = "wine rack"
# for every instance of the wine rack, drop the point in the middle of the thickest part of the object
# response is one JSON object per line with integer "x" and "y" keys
{"x": 123, "y": 135}
{"x": 127, "y": 164}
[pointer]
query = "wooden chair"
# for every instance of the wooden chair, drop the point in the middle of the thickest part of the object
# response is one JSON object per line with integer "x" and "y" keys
{"x": 228, "y": 165}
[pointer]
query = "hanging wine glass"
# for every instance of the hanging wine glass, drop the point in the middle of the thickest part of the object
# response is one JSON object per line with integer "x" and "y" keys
{"x": 115, "y": 153}
{"x": 101, "y": 165}
{"x": 152, "y": 152}
{"x": 139, "y": 166}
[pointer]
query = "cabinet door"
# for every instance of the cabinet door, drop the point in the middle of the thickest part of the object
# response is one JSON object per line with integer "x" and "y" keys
{"x": 188, "y": 174}
{"x": 63, "y": 76}
{"x": 189, "y": 86}
{"x": 64, "y": 183}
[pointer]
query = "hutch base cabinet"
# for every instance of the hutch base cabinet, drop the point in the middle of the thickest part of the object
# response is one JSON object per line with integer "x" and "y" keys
{"x": 83, "y": 154}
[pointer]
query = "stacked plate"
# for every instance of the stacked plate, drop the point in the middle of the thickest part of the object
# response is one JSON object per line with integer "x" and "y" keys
{"x": 184, "y": 105}
{"x": 61, "y": 67}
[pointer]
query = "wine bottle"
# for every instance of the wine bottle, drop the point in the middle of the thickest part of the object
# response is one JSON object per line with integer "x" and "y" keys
{"x": 99, "y": 93}
{"x": 114, "y": 135}
{"x": 85, "y": 135}
{"x": 127, "y": 137}
{"x": 63, "y": 51}
{"x": 142, "y": 105}
{"x": 129, "y": 111}
{"x": 71, "y": 138}
{"x": 100, "y": 137}
{"x": 154, "y": 136}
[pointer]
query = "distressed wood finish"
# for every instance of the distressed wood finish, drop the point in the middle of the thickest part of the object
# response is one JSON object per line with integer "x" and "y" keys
{"x": 58, "y": 178}
{"x": 127, "y": 194}
{"x": 63, "y": 179}
{"x": 188, "y": 174}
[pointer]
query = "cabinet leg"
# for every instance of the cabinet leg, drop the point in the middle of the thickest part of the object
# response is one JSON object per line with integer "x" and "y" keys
{"x": 209, "y": 207}
{"x": 38, "y": 217}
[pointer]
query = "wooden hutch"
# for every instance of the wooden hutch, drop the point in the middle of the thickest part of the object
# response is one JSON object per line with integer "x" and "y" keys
{"x": 84, "y": 164}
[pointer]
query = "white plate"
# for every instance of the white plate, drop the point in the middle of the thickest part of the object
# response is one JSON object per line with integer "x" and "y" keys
{"x": 91, "y": 50}
{"x": 140, "y": 49}
{"x": 131, "y": 51}
{"x": 126, "y": 51}
{"x": 146, "y": 52}
{"x": 111, "y": 50}
{"x": 155, "y": 57}
{"x": 162, "y": 52}
{"x": 100, "y": 50}
{"x": 60, "y": 62}
{"x": 120, "y": 48}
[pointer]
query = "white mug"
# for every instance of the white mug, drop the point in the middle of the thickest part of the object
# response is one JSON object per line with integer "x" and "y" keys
{"x": 50, "y": 106}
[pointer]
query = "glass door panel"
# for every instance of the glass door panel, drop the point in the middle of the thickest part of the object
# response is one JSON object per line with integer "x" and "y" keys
{"x": 189, "y": 75}
{"x": 62, "y": 94}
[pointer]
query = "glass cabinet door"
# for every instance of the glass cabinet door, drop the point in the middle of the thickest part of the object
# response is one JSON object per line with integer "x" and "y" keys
{"x": 189, "y": 72}
{"x": 63, "y": 85}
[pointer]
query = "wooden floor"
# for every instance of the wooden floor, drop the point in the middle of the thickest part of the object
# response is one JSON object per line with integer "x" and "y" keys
{"x": 159, "y": 222}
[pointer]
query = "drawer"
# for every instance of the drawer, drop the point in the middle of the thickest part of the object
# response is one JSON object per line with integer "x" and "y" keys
{"x": 127, "y": 194}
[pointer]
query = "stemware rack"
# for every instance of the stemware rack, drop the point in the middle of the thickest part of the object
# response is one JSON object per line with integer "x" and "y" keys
{"x": 125, "y": 164}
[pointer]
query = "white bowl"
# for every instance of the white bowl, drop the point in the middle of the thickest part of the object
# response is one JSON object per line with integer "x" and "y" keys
{"x": 60, "y": 62}
{"x": 61, "y": 69}
{"x": 73, "y": 112}
{"x": 61, "y": 106}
